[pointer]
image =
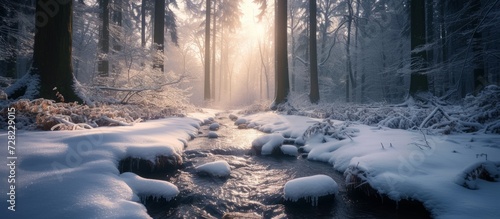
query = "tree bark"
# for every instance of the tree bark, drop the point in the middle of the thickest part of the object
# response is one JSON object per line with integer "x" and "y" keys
{"x": 313, "y": 54}
{"x": 143, "y": 24}
{"x": 281, "y": 53}
{"x": 214, "y": 46}
{"x": 159, "y": 33}
{"x": 207, "y": 52}
{"x": 103, "y": 63}
{"x": 52, "y": 50}
{"x": 480, "y": 79}
{"x": 418, "y": 79}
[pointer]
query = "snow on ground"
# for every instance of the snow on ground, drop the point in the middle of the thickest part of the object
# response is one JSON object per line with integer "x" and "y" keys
{"x": 73, "y": 174}
{"x": 217, "y": 168}
{"x": 266, "y": 144}
{"x": 145, "y": 188}
{"x": 291, "y": 150}
{"x": 405, "y": 164}
{"x": 310, "y": 188}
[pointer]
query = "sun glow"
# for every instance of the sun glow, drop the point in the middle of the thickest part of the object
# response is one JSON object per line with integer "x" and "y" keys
{"x": 251, "y": 26}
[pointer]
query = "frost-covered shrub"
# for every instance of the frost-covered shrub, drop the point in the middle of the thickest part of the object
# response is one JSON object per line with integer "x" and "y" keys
{"x": 46, "y": 114}
{"x": 484, "y": 108}
{"x": 487, "y": 170}
{"x": 328, "y": 128}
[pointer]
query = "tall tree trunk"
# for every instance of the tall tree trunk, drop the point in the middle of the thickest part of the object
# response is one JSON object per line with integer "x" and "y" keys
{"x": 480, "y": 79}
{"x": 313, "y": 54}
{"x": 159, "y": 33}
{"x": 143, "y": 24}
{"x": 349, "y": 78}
{"x": 214, "y": 34}
{"x": 52, "y": 50}
{"x": 430, "y": 39}
{"x": 103, "y": 63}
{"x": 222, "y": 64}
{"x": 418, "y": 79}
{"x": 206, "y": 84}
{"x": 281, "y": 53}
{"x": 7, "y": 35}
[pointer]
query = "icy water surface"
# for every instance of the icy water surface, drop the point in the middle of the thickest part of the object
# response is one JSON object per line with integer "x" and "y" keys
{"x": 256, "y": 184}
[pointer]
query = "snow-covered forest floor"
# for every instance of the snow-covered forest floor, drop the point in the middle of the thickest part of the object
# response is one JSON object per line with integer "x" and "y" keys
{"x": 454, "y": 176}
{"x": 443, "y": 155}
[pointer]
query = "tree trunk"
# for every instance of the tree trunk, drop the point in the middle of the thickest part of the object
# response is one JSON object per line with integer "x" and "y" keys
{"x": 349, "y": 78}
{"x": 480, "y": 79}
{"x": 207, "y": 52}
{"x": 214, "y": 34}
{"x": 418, "y": 79}
{"x": 281, "y": 53}
{"x": 143, "y": 24}
{"x": 52, "y": 50}
{"x": 159, "y": 33}
{"x": 103, "y": 63}
{"x": 313, "y": 54}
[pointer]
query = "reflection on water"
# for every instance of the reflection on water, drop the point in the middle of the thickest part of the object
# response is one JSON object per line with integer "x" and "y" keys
{"x": 255, "y": 185}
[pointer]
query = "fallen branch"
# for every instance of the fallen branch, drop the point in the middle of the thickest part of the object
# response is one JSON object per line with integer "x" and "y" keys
{"x": 65, "y": 122}
{"x": 135, "y": 91}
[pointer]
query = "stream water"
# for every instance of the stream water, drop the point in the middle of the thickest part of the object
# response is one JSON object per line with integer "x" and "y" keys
{"x": 256, "y": 184}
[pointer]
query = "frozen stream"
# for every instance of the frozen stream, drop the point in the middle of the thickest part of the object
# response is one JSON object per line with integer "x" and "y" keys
{"x": 256, "y": 184}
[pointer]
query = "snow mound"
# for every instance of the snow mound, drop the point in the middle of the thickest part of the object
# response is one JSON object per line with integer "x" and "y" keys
{"x": 266, "y": 144}
{"x": 214, "y": 126}
{"x": 290, "y": 150}
{"x": 310, "y": 188}
{"x": 240, "y": 121}
{"x": 233, "y": 117}
{"x": 486, "y": 170}
{"x": 145, "y": 188}
{"x": 212, "y": 134}
{"x": 217, "y": 168}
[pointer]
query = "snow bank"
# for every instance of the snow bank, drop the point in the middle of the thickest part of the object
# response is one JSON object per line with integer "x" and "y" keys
{"x": 401, "y": 164}
{"x": 266, "y": 144}
{"x": 310, "y": 188}
{"x": 145, "y": 188}
{"x": 288, "y": 126}
{"x": 75, "y": 173}
{"x": 217, "y": 168}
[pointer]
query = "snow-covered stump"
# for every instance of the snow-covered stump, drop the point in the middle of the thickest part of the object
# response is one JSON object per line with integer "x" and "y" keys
{"x": 217, "y": 169}
{"x": 150, "y": 190}
{"x": 142, "y": 166}
{"x": 311, "y": 189}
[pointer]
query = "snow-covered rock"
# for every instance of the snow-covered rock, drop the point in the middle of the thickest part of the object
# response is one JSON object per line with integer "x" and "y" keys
{"x": 289, "y": 150}
{"x": 240, "y": 121}
{"x": 214, "y": 126}
{"x": 217, "y": 168}
{"x": 145, "y": 188}
{"x": 212, "y": 134}
{"x": 233, "y": 117}
{"x": 266, "y": 144}
{"x": 310, "y": 188}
